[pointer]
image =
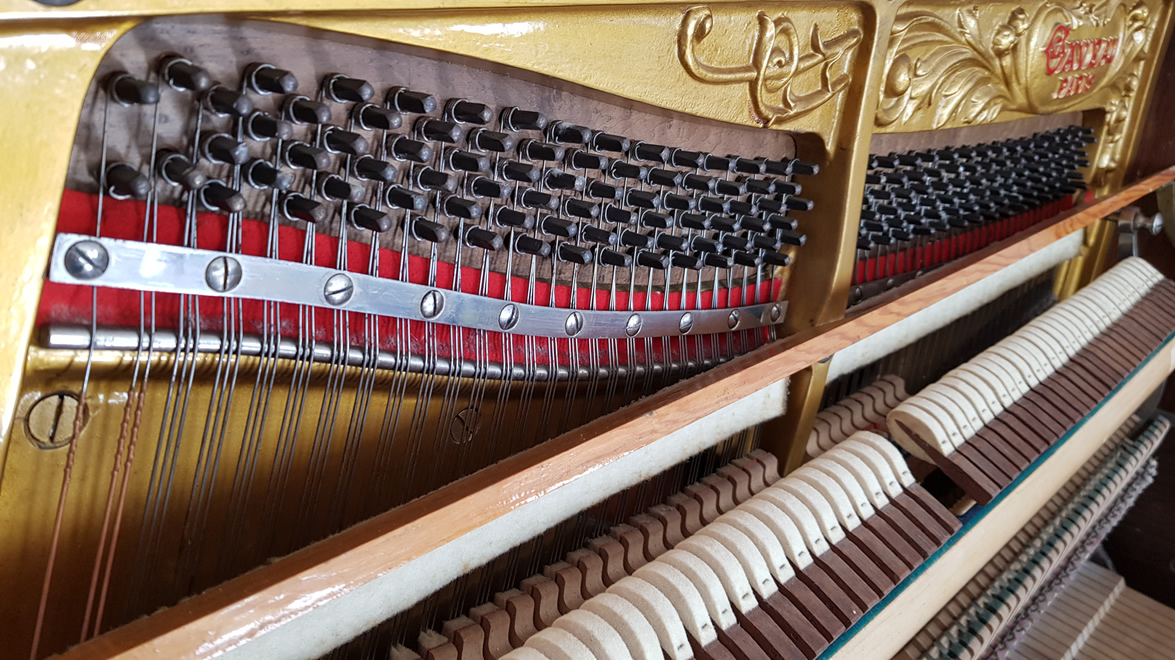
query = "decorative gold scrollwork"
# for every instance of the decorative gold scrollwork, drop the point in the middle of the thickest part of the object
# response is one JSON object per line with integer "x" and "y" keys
{"x": 776, "y": 62}
{"x": 944, "y": 71}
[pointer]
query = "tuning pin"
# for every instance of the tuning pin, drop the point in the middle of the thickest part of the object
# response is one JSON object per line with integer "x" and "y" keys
{"x": 538, "y": 200}
{"x": 568, "y": 133}
{"x": 181, "y": 74}
{"x": 459, "y": 207}
{"x": 733, "y": 242}
{"x": 643, "y": 199}
{"x": 299, "y": 207}
{"x": 427, "y": 230}
{"x": 635, "y": 239}
{"x": 514, "y": 219}
{"x": 219, "y": 197}
{"x": 468, "y": 112}
{"x": 704, "y": 245}
{"x": 223, "y": 101}
{"x": 365, "y": 217}
{"x": 697, "y": 221}
{"x": 750, "y": 166}
{"x": 405, "y": 148}
{"x": 655, "y": 153}
{"x": 261, "y": 126}
{"x": 554, "y": 226}
{"x": 698, "y": 182}
{"x": 268, "y": 79}
{"x": 670, "y": 242}
{"x": 483, "y": 187}
{"x": 654, "y": 220}
{"x": 129, "y": 90}
{"x": 483, "y": 238}
{"x": 431, "y": 179}
{"x": 613, "y": 258}
{"x": 123, "y": 181}
{"x": 611, "y": 143}
{"x": 683, "y": 158}
{"x": 438, "y": 129}
{"x": 343, "y": 89}
{"x": 778, "y": 259}
{"x": 467, "y": 161}
{"x": 302, "y": 155}
{"x": 682, "y": 260}
{"x": 675, "y": 202}
{"x": 715, "y": 260}
{"x": 373, "y": 169}
{"x": 601, "y": 190}
{"x": 517, "y": 119}
{"x": 764, "y": 242}
{"x": 560, "y": 180}
{"x": 596, "y": 235}
{"x": 668, "y": 178}
{"x": 575, "y": 254}
{"x": 375, "y": 118}
{"x": 582, "y": 209}
{"x": 798, "y": 203}
{"x": 406, "y": 100}
{"x": 521, "y": 172}
{"x": 261, "y": 174}
{"x": 404, "y": 198}
{"x": 535, "y": 150}
{"x": 615, "y": 214}
{"x": 220, "y": 148}
{"x": 524, "y": 244}
{"x": 176, "y": 169}
{"x": 345, "y": 142}
{"x": 650, "y": 259}
{"x": 792, "y": 238}
{"x": 302, "y": 110}
{"x": 622, "y": 170}
{"x": 717, "y": 163}
{"x": 491, "y": 140}
{"x": 336, "y": 188}
{"x": 801, "y": 168}
{"x": 583, "y": 160}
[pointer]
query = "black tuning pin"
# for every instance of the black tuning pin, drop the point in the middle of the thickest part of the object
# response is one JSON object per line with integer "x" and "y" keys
{"x": 733, "y": 242}
{"x": 582, "y": 209}
{"x": 670, "y": 242}
{"x": 427, "y": 230}
{"x": 634, "y": 239}
{"x": 778, "y": 259}
{"x": 262, "y": 174}
{"x": 643, "y": 199}
{"x": 483, "y": 238}
{"x": 491, "y": 140}
{"x": 698, "y": 182}
{"x": 613, "y": 258}
{"x": 376, "y": 118}
{"x": 757, "y": 186}
{"x": 405, "y": 148}
{"x": 374, "y": 169}
{"x": 522, "y": 172}
{"x": 575, "y": 254}
{"x": 406, "y": 100}
{"x": 655, "y": 153}
{"x": 554, "y": 226}
{"x": 583, "y": 160}
{"x": 538, "y": 200}
{"x": 611, "y": 143}
{"x": 715, "y": 260}
{"x": 744, "y": 258}
{"x": 802, "y": 168}
{"x": 740, "y": 207}
{"x": 299, "y": 207}
{"x": 688, "y": 261}
{"x": 345, "y": 142}
{"x": 514, "y": 219}
{"x": 779, "y": 167}
{"x": 601, "y": 190}
{"x": 438, "y": 129}
{"x": 468, "y": 112}
{"x": 750, "y": 166}
{"x": 617, "y": 215}
{"x": 650, "y": 259}
{"x": 654, "y": 220}
{"x": 459, "y": 207}
{"x": 786, "y": 188}
{"x": 123, "y": 181}
{"x": 338, "y": 189}
{"x": 792, "y": 238}
{"x": 176, "y": 169}
{"x": 268, "y": 79}
{"x": 697, "y": 221}
{"x": 704, "y": 245}
{"x": 261, "y": 126}
{"x": 524, "y": 244}
{"x": 431, "y": 179}
{"x": 365, "y": 217}
{"x": 712, "y": 163}
{"x": 344, "y": 89}
{"x": 623, "y": 170}
{"x": 129, "y": 90}
{"x": 560, "y": 180}
{"x": 714, "y": 205}
{"x": 667, "y": 178}
{"x": 535, "y": 150}
{"x": 753, "y": 223}
{"x": 724, "y": 223}
{"x": 683, "y": 158}
{"x": 302, "y": 155}
{"x": 223, "y": 101}
{"x": 302, "y": 110}
{"x": 467, "y": 161}
{"x": 798, "y": 203}
{"x": 404, "y": 198}
{"x": 219, "y": 197}
{"x": 562, "y": 131}
{"x": 675, "y": 202}
{"x": 729, "y": 188}
{"x": 768, "y": 206}
{"x": 483, "y": 187}
{"x": 517, "y": 119}
{"x": 180, "y": 73}
{"x": 596, "y": 235}
{"x": 764, "y": 242}
{"x": 220, "y": 148}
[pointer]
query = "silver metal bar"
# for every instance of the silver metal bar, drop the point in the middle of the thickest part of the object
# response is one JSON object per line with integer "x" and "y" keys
{"x": 79, "y": 259}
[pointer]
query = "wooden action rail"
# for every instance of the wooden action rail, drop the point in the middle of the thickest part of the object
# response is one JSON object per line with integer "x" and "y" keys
{"x": 251, "y": 607}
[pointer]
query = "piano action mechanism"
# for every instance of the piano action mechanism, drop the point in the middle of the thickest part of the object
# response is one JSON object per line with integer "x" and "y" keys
{"x": 503, "y": 330}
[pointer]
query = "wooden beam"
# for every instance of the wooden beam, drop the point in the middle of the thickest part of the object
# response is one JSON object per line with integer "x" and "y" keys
{"x": 275, "y": 595}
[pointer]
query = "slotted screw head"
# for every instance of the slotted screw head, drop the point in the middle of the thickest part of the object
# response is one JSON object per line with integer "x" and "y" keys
{"x": 732, "y": 320}
{"x": 431, "y": 304}
{"x": 686, "y": 323}
{"x": 574, "y": 324}
{"x": 508, "y": 317}
{"x": 776, "y": 312}
{"x": 86, "y": 260}
{"x": 223, "y": 274}
{"x": 338, "y": 289}
{"x": 633, "y": 325}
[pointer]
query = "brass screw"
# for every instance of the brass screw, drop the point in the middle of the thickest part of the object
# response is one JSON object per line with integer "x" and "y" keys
{"x": 49, "y": 423}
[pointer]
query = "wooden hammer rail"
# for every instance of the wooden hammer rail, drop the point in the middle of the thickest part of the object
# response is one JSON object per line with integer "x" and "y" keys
{"x": 355, "y": 575}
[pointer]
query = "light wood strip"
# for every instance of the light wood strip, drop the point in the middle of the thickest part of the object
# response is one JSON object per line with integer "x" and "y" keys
{"x": 249, "y": 607}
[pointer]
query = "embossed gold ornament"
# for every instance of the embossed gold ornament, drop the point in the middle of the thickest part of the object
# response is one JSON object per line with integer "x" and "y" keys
{"x": 776, "y": 62}
{"x": 950, "y": 71}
